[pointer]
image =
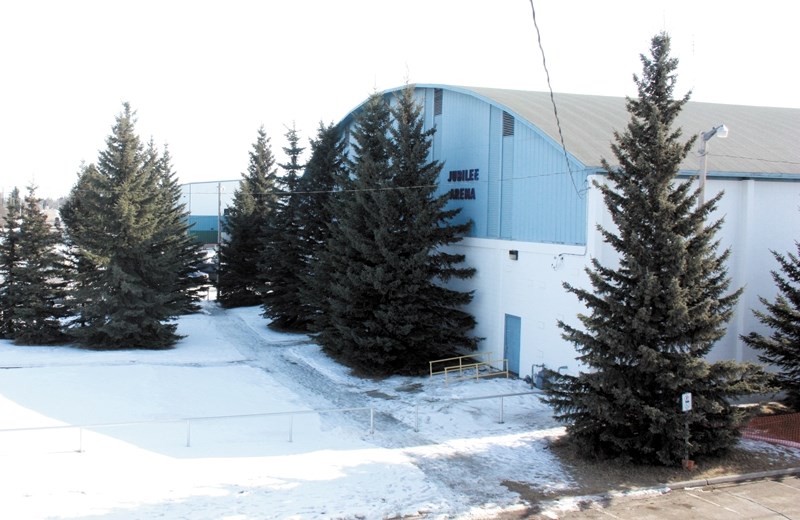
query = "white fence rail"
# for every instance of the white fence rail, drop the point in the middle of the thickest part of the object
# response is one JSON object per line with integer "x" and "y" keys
{"x": 479, "y": 398}
{"x": 187, "y": 421}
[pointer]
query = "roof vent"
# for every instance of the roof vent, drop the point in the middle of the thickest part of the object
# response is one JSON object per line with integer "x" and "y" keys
{"x": 508, "y": 124}
{"x": 437, "y": 101}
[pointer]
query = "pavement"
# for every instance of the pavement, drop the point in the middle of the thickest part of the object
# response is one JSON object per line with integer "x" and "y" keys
{"x": 765, "y": 495}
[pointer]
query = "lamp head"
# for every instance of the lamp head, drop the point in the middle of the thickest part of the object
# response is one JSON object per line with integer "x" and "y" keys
{"x": 720, "y": 131}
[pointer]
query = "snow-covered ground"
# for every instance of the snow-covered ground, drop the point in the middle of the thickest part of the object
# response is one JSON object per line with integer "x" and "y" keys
{"x": 149, "y": 434}
{"x": 426, "y": 453}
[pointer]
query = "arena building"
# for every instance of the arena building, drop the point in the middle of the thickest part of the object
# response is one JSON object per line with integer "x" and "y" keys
{"x": 535, "y": 207}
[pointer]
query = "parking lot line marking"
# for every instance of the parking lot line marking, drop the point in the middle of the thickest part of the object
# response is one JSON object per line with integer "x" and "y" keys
{"x": 713, "y": 503}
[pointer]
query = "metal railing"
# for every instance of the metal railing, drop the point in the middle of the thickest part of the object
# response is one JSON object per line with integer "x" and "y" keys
{"x": 479, "y": 398}
{"x": 471, "y": 370}
{"x": 189, "y": 420}
{"x": 460, "y": 360}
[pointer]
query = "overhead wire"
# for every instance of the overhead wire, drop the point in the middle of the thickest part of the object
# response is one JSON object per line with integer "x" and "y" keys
{"x": 752, "y": 158}
{"x": 421, "y": 186}
{"x": 553, "y": 101}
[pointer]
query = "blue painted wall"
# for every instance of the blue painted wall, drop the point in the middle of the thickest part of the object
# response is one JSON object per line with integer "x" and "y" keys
{"x": 522, "y": 187}
{"x": 513, "y": 187}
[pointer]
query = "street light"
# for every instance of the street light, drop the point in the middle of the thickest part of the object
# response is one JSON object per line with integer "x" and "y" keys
{"x": 720, "y": 131}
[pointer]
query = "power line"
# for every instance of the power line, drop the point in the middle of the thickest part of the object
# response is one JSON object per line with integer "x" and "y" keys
{"x": 753, "y": 158}
{"x": 553, "y": 99}
{"x": 421, "y": 186}
{"x": 311, "y": 192}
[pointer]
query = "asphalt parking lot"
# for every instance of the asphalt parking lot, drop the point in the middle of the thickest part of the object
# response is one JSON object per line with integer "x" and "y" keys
{"x": 764, "y": 498}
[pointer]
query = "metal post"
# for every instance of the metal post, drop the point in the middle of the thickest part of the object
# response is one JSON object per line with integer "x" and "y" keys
{"x": 686, "y": 439}
{"x": 720, "y": 131}
{"x": 371, "y": 420}
{"x": 219, "y": 213}
{"x": 502, "y": 418}
{"x": 219, "y": 233}
{"x": 188, "y": 435}
{"x": 291, "y": 425}
{"x": 704, "y": 151}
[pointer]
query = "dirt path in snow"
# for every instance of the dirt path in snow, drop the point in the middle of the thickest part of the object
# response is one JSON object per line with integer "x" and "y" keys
{"x": 459, "y": 473}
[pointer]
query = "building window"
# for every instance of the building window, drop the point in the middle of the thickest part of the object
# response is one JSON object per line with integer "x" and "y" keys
{"x": 508, "y": 124}
{"x": 437, "y": 101}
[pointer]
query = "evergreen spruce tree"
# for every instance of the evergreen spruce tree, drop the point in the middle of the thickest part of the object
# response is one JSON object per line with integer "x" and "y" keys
{"x": 388, "y": 311}
{"x": 283, "y": 251}
{"x": 440, "y": 325}
{"x": 81, "y": 242}
{"x": 322, "y": 178}
{"x": 41, "y": 278}
{"x": 652, "y": 320}
{"x": 241, "y": 250}
{"x": 116, "y": 218}
{"x": 172, "y": 239}
{"x": 10, "y": 259}
{"x": 348, "y": 259}
{"x": 782, "y": 347}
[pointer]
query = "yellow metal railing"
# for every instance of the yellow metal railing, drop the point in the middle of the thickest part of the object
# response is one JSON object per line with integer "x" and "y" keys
{"x": 468, "y": 367}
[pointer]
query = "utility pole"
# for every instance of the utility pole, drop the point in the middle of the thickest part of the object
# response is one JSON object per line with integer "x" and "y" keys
{"x": 219, "y": 214}
{"x": 219, "y": 231}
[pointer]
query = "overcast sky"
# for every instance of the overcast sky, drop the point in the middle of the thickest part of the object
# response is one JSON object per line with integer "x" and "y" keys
{"x": 203, "y": 76}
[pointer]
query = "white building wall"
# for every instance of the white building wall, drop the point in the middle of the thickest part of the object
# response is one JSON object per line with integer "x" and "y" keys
{"x": 529, "y": 287}
{"x": 759, "y": 215}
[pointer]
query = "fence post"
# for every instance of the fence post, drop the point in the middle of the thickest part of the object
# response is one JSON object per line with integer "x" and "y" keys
{"x": 502, "y": 418}
{"x": 188, "y": 434}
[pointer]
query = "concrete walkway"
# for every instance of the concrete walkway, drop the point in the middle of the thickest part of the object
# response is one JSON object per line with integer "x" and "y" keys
{"x": 767, "y": 495}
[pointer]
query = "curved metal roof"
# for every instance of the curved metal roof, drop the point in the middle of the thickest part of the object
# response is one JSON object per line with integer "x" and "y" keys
{"x": 762, "y": 140}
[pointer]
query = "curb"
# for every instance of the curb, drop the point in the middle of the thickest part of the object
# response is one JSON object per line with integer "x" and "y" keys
{"x": 732, "y": 478}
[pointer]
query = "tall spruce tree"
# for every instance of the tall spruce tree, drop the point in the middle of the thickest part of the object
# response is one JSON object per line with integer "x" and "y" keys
{"x": 424, "y": 264}
{"x": 172, "y": 240}
{"x": 10, "y": 259}
{"x": 653, "y": 319}
{"x": 41, "y": 278}
{"x": 388, "y": 310}
{"x": 782, "y": 347}
{"x": 81, "y": 242}
{"x": 116, "y": 217}
{"x": 322, "y": 178}
{"x": 283, "y": 251}
{"x": 348, "y": 260}
{"x": 241, "y": 250}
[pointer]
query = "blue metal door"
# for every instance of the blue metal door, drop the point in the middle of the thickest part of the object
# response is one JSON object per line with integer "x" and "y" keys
{"x": 512, "y": 341}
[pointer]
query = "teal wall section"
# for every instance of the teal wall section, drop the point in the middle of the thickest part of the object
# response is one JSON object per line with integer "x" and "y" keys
{"x": 204, "y": 228}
